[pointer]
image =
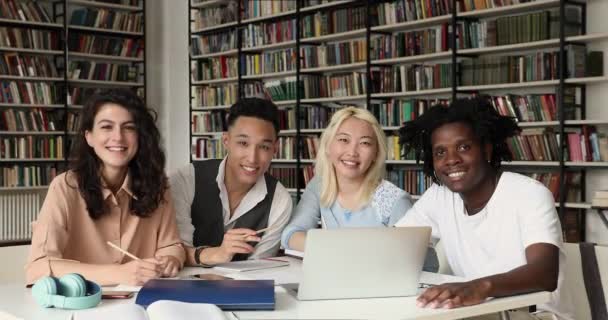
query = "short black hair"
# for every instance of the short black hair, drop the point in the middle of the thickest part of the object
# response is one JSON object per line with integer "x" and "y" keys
{"x": 255, "y": 107}
{"x": 478, "y": 113}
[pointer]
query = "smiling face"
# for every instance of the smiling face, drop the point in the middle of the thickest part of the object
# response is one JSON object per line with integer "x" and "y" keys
{"x": 113, "y": 137}
{"x": 251, "y": 144}
{"x": 458, "y": 157}
{"x": 353, "y": 149}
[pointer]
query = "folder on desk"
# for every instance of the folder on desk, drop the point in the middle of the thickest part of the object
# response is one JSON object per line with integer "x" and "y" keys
{"x": 226, "y": 294}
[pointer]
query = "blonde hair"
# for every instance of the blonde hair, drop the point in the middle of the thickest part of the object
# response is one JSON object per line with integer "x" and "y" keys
{"x": 325, "y": 170}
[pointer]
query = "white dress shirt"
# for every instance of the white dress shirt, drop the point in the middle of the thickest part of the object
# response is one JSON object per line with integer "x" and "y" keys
{"x": 182, "y": 189}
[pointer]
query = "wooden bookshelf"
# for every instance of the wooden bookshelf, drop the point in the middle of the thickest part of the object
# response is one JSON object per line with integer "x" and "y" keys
{"x": 103, "y": 57}
{"x": 32, "y": 51}
{"x": 105, "y": 31}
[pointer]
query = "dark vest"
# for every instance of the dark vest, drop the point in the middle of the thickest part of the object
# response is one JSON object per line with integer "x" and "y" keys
{"x": 207, "y": 212}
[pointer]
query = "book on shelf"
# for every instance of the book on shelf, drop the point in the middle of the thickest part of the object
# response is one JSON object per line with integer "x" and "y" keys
{"x": 287, "y": 175}
{"x": 281, "y": 89}
{"x": 266, "y": 33}
{"x": 269, "y": 62}
{"x": 394, "y": 112}
{"x": 103, "y": 45}
{"x": 107, "y": 19}
{"x": 22, "y": 92}
{"x": 28, "y": 38}
{"x": 287, "y": 147}
{"x": 214, "y": 68}
{"x": 32, "y": 11}
{"x": 213, "y": 43}
{"x": 224, "y": 12}
{"x": 36, "y": 119}
{"x": 408, "y": 78}
{"x": 23, "y": 65}
{"x": 410, "y": 43}
{"x": 214, "y": 95}
{"x": 398, "y": 11}
{"x": 332, "y": 54}
{"x": 207, "y": 148}
{"x": 582, "y": 145}
{"x": 28, "y": 175}
{"x": 333, "y": 21}
{"x": 257, "y": 8}
{"x": 93, "y": 70}
{"x": 413, "y": 182}
{"x": 209, "y": 121}
{"x": 28, "y": 147}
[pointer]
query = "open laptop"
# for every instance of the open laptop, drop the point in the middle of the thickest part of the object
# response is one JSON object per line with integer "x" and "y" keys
{"x": 362, "y": 262}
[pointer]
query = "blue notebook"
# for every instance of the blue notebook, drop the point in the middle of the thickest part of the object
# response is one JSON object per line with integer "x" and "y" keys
{"x": 226, "y": 294}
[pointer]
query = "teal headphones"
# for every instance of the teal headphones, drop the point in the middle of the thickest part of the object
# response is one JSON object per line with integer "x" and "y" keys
{"x": 71, "y": 291}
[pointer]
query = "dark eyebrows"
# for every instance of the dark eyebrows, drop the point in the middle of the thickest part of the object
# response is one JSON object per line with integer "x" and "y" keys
{"x": 130, "y": 122}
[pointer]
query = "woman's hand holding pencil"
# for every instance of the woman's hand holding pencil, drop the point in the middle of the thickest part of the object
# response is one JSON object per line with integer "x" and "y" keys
{"x": 139, "y": 271}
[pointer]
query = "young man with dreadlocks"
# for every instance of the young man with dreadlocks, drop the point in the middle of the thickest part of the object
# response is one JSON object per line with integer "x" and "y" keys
{"x": 499, "y": 229}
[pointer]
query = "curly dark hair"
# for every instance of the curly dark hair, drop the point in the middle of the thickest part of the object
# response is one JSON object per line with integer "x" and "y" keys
{"x": 148, "y": 179}
{"x": 478, "y": 113}
{"x": 255, "y": 107}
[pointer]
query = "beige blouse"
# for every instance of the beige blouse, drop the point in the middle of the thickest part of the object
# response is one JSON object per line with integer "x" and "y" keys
{"x": 65, "y": 231}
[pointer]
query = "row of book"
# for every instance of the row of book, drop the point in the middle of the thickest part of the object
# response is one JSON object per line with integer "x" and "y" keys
{"x": 263, "y": 8}
{"x": 213, "y": 43}
{"x": 543, "y": 145}
{"x": 121, "y": 47}
{"x": 36, "y": 119}
{"x": 22, "y": 92}
{"x": 531, "y": 107}
{"x": 394, "y": 112}
{"x": 92, "y": 70}
{"x": 332, "y": 54}
{"x": 14, "y": 64}
{"x": 29, "y": 38}
{"x": 107, "y": 19}
{"x": 410, "y": 43}
{"x": 31, "y": 147}
{"x": 206, "y": 121}
{"x": 287, "y": 147}
{"x": 287, "y": 176}
{"x": 265, "y": 33}
{"x": 407, "y": 78}
{"x": 269, "y": 62}
{"x": 217, "y": 95}
{"x": 214, "y": 68}
{"x": 334, "y": 21}
{"x": 532, "y": 67}
{"x": 398, "y": 11}
{"x": 224, "y": 12}
{"x": 79, "y": 95}
{"x": 207, "y": 148}
{"x": 27, "y": 176}
{"x": 515, "y": 29}
{"x": 587, "y": 145}
{"x": 24, "y": 11}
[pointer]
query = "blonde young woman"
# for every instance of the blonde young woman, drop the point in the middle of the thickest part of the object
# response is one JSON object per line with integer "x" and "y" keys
{"x": 348, "y": 189}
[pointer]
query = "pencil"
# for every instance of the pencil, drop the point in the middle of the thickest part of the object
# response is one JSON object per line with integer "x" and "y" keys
{"x": 262, "y": 230}
{"x": 122, "y": 250}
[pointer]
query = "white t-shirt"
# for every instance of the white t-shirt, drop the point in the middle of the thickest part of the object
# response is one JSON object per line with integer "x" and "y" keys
{"x": 521, "y": 212}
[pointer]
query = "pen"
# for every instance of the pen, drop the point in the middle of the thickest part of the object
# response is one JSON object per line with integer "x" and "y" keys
{"x": 122, "y": 250}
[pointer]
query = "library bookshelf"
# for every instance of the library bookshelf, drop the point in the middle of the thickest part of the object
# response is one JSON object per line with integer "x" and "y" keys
{"x": 55, "y": 54}
{"x": 251, "y": 57}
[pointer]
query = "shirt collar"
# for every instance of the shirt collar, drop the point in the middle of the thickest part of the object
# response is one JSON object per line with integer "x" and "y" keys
{"x": 126, "y": 187}
{"x": 256, "y": 194}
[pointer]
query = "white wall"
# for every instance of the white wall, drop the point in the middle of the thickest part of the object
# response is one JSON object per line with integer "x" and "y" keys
{"x": 597, "y": 108}
{"x": 167, "y": 75}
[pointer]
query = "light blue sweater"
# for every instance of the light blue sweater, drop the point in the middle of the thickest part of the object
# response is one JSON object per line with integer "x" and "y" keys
{"x": 387, "y": 206}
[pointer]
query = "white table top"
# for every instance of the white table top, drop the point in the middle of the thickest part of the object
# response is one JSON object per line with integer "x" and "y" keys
{"x": 16, "y": 300}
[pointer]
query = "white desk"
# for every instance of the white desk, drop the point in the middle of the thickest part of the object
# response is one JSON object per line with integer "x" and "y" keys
{"x": 16, "y": 300}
